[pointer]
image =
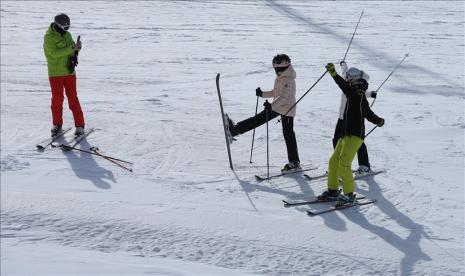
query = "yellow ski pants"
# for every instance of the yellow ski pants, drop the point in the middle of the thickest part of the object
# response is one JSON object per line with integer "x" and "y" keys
{"x": 340, "y": 163}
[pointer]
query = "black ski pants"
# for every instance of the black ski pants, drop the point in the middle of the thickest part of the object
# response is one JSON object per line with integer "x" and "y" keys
{"x": 288, "y": 130}
{"x": 362, "y": 153}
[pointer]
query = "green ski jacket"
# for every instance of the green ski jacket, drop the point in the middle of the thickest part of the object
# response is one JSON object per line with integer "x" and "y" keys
{"x": 57, "y": 50}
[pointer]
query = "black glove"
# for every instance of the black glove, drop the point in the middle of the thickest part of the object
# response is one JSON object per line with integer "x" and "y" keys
{"x": 258, "y": 92}
{"x": 373, "y": 94}
{"x": 381, "y": 122}
{"x": 267, "y": 105}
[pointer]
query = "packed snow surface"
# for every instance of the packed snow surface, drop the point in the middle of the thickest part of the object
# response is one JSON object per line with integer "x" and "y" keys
{"x": 146, "y": 82}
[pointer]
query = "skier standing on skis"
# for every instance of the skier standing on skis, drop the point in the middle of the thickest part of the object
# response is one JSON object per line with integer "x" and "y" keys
{"x": 61, "y": 53}
{"x": 362, "y": 153}
{"x": 284, "y": 98}
{"x": 352, "y": 135}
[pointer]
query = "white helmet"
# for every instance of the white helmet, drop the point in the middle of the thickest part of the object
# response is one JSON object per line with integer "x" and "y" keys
{"x": 354, "y": 74}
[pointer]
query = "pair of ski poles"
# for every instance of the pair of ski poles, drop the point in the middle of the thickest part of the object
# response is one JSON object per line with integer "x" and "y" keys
{"x": 95, "y": 151}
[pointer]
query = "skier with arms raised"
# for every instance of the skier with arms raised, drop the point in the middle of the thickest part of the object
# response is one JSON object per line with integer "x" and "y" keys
{"x": 352, "y": 135}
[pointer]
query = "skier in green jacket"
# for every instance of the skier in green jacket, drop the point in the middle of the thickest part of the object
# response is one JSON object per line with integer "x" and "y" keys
{"x": 352, "y": 136}
{"x": 61, "y": 53}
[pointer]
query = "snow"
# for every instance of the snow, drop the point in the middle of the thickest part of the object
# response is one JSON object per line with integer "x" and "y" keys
{"x": 146, "y": 82}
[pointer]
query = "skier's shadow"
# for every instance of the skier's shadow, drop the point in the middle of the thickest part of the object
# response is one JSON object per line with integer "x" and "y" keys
{"x": 248, "y": 187}
{"x": 307, "y": 193}
{"x": 85, "y": 167}
{"x": 410, "y": 245}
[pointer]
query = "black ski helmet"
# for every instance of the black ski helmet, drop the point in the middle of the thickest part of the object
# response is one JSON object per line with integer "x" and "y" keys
{"x": 281, "y": 62}
{"x": 62, "y": 21}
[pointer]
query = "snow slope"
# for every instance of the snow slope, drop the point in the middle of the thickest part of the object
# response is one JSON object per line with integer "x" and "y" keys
{"x": 146, "y": 82}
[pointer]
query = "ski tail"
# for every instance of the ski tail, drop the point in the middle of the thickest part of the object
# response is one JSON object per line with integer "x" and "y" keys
{"x": 75, "y": 141}
{"x": 47, "y": 142}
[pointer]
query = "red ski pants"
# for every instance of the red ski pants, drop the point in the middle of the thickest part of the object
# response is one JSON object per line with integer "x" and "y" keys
{"x": 69, "y": 84}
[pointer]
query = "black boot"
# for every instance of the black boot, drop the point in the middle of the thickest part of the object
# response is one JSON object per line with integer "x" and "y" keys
{"x": 329, "y": 195}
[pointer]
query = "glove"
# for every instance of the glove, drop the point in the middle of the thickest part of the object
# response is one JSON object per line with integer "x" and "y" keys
{"x": 373, "y": 94}
{"x": 331, "y": 70}
{"x": 77, "y": 46}
{"x": 381, "y": 122}
{"x": 258, "y": 92}
{"x": 267, "y": 105}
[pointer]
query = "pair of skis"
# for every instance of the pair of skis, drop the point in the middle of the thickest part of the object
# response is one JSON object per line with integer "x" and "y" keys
{"x": 331, "y": 208}
{"x": 41, "y": 146}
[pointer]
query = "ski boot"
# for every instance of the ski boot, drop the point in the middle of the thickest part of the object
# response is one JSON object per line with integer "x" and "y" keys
{"x": 56, "y": 129}
{"x": 229, "y": 129}
{"x": 291, "y": 167}
{"x": 363, "y": 170}
{"x": 79, "y": 131}
{"x": 344, "y": 200}
{"x": 329, "y": 195}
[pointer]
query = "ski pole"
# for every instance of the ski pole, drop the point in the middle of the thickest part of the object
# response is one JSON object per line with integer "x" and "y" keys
{"x": 304, "y": 94}
{"x": 95, "y": 149}
{"x": 267, "y": 144}
{"x": 395, "y": 68}
{"x": 253, "y": 135}
{"x": 90, "y": 152}
{"x": 370, "y": 131}
{"x": 356, "y": 27}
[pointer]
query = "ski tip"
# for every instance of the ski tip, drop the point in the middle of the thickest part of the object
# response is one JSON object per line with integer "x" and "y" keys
{"x": 217, "y": 75}
{"x": 310, "y": 213}
{"x": 259, "y": 178}
{"x": 40, "y": 148}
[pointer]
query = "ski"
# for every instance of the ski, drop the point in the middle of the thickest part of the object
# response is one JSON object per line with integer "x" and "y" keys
{"x": 314, "y": 201}
{"x": 338, "y": 208}
{"x": 224, "y": 122}
{"x": 356, "y": 176}
{"x": 262, "y": 178}
{"x": 47, "y": 142}
{"x": 75, "y": 141}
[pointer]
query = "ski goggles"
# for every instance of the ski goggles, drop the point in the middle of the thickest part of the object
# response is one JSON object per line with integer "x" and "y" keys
{"x": 63, "y": 26}
{"x": 282, "y": 64}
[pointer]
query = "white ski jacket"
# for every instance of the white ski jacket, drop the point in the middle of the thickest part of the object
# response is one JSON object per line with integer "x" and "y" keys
{"x": 283, "y": 93}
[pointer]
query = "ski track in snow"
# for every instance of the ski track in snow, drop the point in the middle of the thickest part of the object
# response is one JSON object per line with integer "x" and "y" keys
{"x": 146, "y": 83}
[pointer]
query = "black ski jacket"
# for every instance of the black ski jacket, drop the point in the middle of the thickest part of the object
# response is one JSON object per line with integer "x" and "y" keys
{"x": 356, "y": 110}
